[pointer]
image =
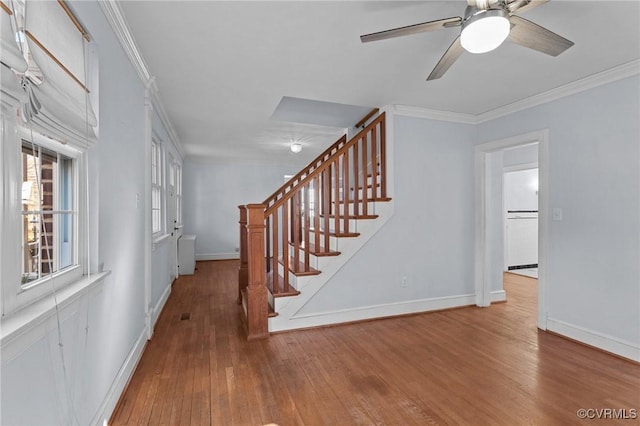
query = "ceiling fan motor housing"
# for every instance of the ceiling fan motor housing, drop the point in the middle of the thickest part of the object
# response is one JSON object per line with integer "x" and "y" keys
{"x": 485, "y": 4}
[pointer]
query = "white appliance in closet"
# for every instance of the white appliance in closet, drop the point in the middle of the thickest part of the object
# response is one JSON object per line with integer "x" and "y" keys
{"x": 522, "y": 238}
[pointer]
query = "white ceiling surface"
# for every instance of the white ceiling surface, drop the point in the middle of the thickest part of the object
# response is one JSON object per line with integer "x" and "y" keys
{"x": 222, "y": 68}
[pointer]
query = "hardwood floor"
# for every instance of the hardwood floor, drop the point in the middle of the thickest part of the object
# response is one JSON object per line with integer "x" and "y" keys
{"x": 465, "y": 366}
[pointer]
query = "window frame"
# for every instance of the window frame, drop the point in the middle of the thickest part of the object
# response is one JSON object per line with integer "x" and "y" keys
{"x": 15, "y": 295}
{"x": 157, "y": 190}
{"x": 178, "y": 192}
{"x": 62, "y": 186}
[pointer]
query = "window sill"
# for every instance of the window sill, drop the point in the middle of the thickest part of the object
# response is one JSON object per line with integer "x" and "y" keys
{"x": 21, "y": 328}
{"x": 157, "y": 240}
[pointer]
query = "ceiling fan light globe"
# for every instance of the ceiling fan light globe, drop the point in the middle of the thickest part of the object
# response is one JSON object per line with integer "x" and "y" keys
{"x": 296, "y": 147}
{"x": 485, "y": 31}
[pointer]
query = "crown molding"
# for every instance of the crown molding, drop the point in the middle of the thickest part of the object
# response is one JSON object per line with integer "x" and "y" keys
{"x": 118, "y": 23}
{"x": 433, "y": 114}
{"x": 605, "y": 77}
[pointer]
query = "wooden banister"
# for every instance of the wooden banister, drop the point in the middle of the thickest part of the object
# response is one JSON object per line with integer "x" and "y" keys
{"x": 366, "y": 118}
{"x": 280, "y": 201}
{"x": 320, "y": 158}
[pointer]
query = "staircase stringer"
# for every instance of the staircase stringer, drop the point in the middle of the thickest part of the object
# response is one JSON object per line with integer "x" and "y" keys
{"x": 288, "y": 308}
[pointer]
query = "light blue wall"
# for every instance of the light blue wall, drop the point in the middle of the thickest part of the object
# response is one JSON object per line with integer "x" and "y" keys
{"x": 213, "y": 190}
{"x": 430, "y": 237}
{"x": 593, "y": 271}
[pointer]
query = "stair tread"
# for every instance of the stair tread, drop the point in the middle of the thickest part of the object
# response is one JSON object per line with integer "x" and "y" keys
{"x": 339, "y": 234}
{"x": 280, "y": 286}
{"x": 299, "y": 270}
{"x": 319, "y": 252}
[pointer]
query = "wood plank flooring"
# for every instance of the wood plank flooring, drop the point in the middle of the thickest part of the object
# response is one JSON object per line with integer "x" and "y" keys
{"x": 470, "y": 366}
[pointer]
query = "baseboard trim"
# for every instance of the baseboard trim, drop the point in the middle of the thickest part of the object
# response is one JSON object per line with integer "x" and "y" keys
{"x": 217, "y": 256}
{"x": 374, "y": 312}
{"x": 157, "y": 310}
{"x": 613, "y": 345}
{"x": 498, "y": 296}
{"x": 108, "y": 406}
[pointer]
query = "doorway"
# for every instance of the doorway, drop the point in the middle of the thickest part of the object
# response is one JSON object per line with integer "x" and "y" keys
{"x": 490, "y": 217}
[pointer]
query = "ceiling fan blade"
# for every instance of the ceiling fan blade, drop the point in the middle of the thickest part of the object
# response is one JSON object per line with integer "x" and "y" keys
{"x": 450, "y": 56}
{"x": 527, "y": 34}
{"x": 524, "y": 5}
{"x": 412, "y": 29}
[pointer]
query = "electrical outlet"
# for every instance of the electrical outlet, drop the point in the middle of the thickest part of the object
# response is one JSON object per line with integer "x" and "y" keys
{"x": 403, "y": 282}
{"x": 556, "y": 214}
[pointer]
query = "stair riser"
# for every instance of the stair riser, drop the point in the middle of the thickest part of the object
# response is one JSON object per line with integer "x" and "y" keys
{"x": 293, "y": 279}
{"x": 313, "y": 260}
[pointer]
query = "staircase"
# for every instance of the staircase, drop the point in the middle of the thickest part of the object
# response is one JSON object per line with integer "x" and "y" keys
{"x": 295, "y": 240}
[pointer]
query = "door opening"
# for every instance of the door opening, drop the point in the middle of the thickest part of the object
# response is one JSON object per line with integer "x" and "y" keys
{"x": 491, "y": 215}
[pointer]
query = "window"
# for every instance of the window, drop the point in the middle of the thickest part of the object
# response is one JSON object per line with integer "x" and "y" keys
{"x": 48, "y": 213}
{"x": 178, "y": 170}
{"x": 174, "y": 192}
{"x": 156, "y": 188}
{"x": 48, "y": 97}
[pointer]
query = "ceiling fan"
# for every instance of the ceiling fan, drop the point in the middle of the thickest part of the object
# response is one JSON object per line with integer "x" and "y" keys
{"x": 486, "y": 24}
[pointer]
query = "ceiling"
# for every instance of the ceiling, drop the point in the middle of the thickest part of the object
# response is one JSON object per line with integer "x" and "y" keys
{"x": 223, "y": 67}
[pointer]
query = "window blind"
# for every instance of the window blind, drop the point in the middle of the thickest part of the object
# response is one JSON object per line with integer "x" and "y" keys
{"x": 59, "y": 106}
{"x": 12, "y": 60}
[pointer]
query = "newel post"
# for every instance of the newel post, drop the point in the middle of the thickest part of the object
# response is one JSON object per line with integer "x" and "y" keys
{"x": 243, "y": 272}
{"x": 257, "y": 302}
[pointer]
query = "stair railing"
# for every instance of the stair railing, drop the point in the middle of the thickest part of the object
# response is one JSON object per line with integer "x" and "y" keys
{"x": 299, "y": 219}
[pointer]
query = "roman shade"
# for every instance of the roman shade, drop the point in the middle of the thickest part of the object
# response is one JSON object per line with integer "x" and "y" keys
{"x": 11, "y": 93}
{"x": 59, "y": 105}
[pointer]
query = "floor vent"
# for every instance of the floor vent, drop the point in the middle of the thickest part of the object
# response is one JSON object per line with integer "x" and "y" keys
{"x": 185, "y": 316}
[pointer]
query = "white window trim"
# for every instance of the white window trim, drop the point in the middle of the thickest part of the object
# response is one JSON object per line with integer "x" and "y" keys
{"x": 178, "y": 193}
{"x": 158, "y": 234}
{"x": 15, "y": 297}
